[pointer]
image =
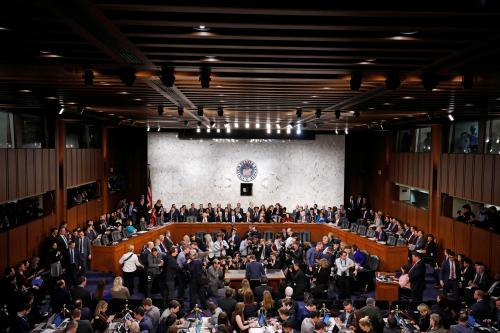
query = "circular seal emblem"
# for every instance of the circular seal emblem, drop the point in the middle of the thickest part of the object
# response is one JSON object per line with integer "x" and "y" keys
{"x": 246, "y": 171}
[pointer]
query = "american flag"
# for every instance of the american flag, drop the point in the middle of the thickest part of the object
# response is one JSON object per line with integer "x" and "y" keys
{"x": 150, "y": 191}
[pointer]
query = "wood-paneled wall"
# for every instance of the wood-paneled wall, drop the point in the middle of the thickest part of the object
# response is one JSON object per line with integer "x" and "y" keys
{"x": 413, "y": 169}
{"x": 25, "y": 241}
{"x": 82, "y": 166}
{"x": 410, "y": 214}
{"x": 26, "y": 172}
{"x": 471, "y": 176}
{"x": 78, "y": 215}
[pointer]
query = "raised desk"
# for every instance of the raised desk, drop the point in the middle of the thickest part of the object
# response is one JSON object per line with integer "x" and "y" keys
{"x": 387, "y": 290}
{"x": 274, "y": 276}
{"x": 105, "y": 258}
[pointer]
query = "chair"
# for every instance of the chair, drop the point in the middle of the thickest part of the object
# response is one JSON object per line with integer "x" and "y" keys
{"x": 200, "y": 234}
{"x": 391, "y": 241}
{"x": 353, "y": 227}
{"x": 401, "y": 242}
{"x": 361, "y": 230}
{"x": 370, "y": 233}
{"x": 305, "y": 236}
{"x": 269, "y": 235}
{"x": 373, "y": 263}
{"x": 116, "y": 236}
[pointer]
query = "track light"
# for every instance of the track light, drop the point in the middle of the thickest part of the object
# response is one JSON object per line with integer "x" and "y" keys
{"x": 61, "y": 111}
{"x": 180, "y": 110}
{"x": 356, "y": 114}
{"x": 257, "y": 125}
{"x": 212, "y": 123}
{"x": 288, "y": 130}
{"x": 336, "y": 131}
{"x": 298, "y": 130}
{"x": 468, "y": 81}
{"x": 228, "y": 129}
{"x": 205, "y": 79}
{"x": 148, "y": 128}
{"x": 337, "y": 114}
{"x": 160, "y": 110}
{"x": 208, "y": 129}
{"x": 200, "y": 111}
{"x": 318, "y": 113}
{"x": 346, "y": 131}
{"x": 128, "y": 76}
{"x": 220, "y": 111}
{"x": 450, "y": 116}
{"x": 430, "y": 81}
{"x": 393, "y": 81}
{"x": 355, "y": 82}
{"x": 159, "y": 129}
{"x": 88, "y": 77}
{"x": 82, "y": 111}
{"x": 299, "y": 113}
{"x": 247, "y": 125}
{"x": 167, "y": 76}
{"x": 236, "y": 125}
{"x": 218, "y": 130}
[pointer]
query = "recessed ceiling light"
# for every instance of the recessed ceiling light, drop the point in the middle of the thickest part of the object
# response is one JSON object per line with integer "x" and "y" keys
{"x": 408, "y": 97}
{"x": 50, "y": 55}
{"x": 444, "y": 109}
{"x": 100, "y": 111}
{"x": 222, "y": 101}
{"x": 326, "y": 88}
{"x": 395, "y": 118}
{"x": 44, "y": 52}
{"x": 71, "y": 103}
{"x": 403, "y": 38}
{"x": 304, "y": 102}
{"x": 370, "y": 59}
{"x": 469, "y": 104}
{"x": 387, "y": 103}
{"x": 111, "y": 114}
{"x": 371, "y": 108}
{"x": 25, "y": 90}
{"x": 105, "y": 83}
{"x": 3, "y": 28}
{"x": 411, "y": 32}
{"x": 437, "y": 89}
{"x": 201, "y": 27}
{"x": 137, "y": 99}
{"x": 314, "y": 96}
{"x": 211, "y": 58}
{"x": 123, "y": 92}
{"x": 365, "y": 63}
{"x": 218, "y": 86}
{"x": 50, "y": 97}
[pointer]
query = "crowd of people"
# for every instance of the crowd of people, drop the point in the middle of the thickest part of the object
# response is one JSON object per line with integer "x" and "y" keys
{"x": 189, "y": 275}
{"x": 487, "y": 217}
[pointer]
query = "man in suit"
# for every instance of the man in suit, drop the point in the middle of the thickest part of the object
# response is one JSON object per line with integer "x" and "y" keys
{"x": 83, "y": 325}
{"x": 20, "y": 323}
{"x": 60, "y": 297}
{"x": 171, "y": 272}
{"x": 481, "y": 309}
{"x": 167, "y": 240}
{"x": 420, "y": 242}
{"x": 373, "y": 312}
{"x": 192, "y": 213}
{"x": 380, "y": 235}
{"x": 227, "y": 302}
{"x": 347, "y": 317}
{"x": 450, "y": 276}
{"x": 461, "y": 326}
{"x": 62, "y": 239}
{"x": 145, "y": 323}
{"x": 80, "y": 292}
{"x": 72, "y": 262}
{"x": 259, "y": 291}
{"x": 417, "y": 277}
{"x": 85, "y": 249}
{"x": 255, "y": 270}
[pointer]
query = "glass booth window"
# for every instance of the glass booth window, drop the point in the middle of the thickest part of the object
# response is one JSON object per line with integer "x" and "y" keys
{"x": 6, "y": 130}
{"x": 493, "y": 136}
{"x": 424, "y": 140}
{"x": 404, "y": 138}
{"x": 463, "y": 137}
{"x": 32, "y": 131}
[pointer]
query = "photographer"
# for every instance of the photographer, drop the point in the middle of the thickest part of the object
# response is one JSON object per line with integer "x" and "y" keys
{"x": 345, "y": 267}
{"x": 155, "y": 265}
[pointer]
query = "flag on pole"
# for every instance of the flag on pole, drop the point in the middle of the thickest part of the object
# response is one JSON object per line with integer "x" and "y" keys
{"x": 150, "y": 190}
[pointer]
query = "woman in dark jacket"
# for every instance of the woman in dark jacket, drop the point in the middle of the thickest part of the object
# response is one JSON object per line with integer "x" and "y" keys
{"x": 430, "y": 249}
{"x": 321, "y": 278}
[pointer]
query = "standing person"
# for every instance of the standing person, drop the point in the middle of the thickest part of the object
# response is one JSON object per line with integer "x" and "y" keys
{"x": 450, "y": 276}
{"x": 254, "y": 271}
{"x": 196, "y": 291}
{"x": 344, "y": 266}
{"x": 85, "y": 249}
{"x": 73, "y": 263}
{"x": 130, "y": 263}
{"x": 183, "y": 260}
{"x": 220, "y": 246}
{"x": 155, "y": 265}
{"x": 171, "y": 271}
{"x": 215, "y": 276}
{"x": 417, "y": 277}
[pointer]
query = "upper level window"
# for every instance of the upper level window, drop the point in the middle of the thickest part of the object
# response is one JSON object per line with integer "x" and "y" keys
{"x": 463, "y": 137}
{"x": 6, "y": 130}
{"x": 492, "y": 139}
{"x": 403, "y": 140}
{"x": 83, "y": 136}
{"x": 424, "y": 140}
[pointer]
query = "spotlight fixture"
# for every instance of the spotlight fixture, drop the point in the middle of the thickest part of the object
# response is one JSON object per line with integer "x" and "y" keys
{"x": 228, "y": 129}
{"x": 298, "y": 130}
{"x": 336, "y": 131}
{"x": 337, "y": 114}
{"x": 278, "y": 131}
{"x": 160, "y": 110}
{"x": 159, "y": 128}
{"x": 128, "y": 76}
{"x": 257, "y": 125}
{"x": 88, "y": 77}
{"x": 299, "y": 113}
{"x": 236, "y": 125}
{"x": 318, "y": 113}
{"x": 288, "y": 130}
{"x": 180, "y": 110}
{"x": 208, "y": 129}
{"x": 220, "y": 111}
{"x": 212, "y": 123}
{"x": 346, "y": 131}
{"x": 430, "y": 81}
{"x": 393, "y": 81}
{"x": 200, "y": 111}
{"x": 61, "y": 111}
{"x": 450, "y": 116}
{"x": 355, "y": 82}
{"x": 205, "y": 74}
{"x": 247, "y": 125}
{"x": 167, "y": 76}
{"x": 148, "y": 128}
{"x": 356, "y": 114}
{"x": 218, "y": 130}
{"x": 198, "y": 129}
{"x": 468, "y": 81}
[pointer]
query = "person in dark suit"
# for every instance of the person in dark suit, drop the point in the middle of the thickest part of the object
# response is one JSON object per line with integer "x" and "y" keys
{"x": 298, "y": 281}
{"x": 259, "y": 291}
{"x": 84, "y": 247}
{"x": 227, "y": 302}
{"x": 373, "y": 312}
{"x": 20, "y": 323}
{"x": 80, "y": 292}
{"x": 171, "y": 272}
{"x": 380, "y": 235}
{"x": 84, "y": 326}
{"x": 392, "y": 325}
{"x": 60, "y": 297}
{"x": 254, "y": 270}
{"x": 481, "y": 309}
{"x": 72, "y": 262}
{"x": 62, "y": 239}
{"x": 461, "y": 326}
{"x": 347, "y": 317}
{"x": 417, "y": 277}
{"x": 450, "y": 276}
{"x": 467, "y": 273}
